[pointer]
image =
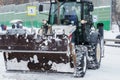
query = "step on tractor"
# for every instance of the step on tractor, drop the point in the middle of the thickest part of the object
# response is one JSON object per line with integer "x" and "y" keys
{"x": 68, "y": 41}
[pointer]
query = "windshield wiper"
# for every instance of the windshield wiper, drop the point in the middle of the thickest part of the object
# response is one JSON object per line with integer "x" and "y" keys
{"x": 59, "y": 6}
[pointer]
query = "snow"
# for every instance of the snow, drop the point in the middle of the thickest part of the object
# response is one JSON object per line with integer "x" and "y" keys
{"x": 109, "y": 70}
{"x": 62, "y": 67}
{"x": 22, "y": 65}
{"x": 35, "y": 59}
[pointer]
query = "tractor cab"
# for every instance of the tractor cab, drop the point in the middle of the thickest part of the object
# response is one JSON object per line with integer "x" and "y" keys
{"x": 66, "y": 13}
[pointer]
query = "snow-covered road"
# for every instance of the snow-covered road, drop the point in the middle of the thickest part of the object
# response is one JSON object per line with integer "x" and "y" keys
{"x": 110, "y": 70}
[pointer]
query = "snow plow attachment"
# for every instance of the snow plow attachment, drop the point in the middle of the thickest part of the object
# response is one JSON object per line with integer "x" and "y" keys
{"x": 35, "y": 52}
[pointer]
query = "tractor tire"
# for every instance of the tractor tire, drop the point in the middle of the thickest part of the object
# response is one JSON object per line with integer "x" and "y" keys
{"x": 96, "y": 57}
{"x": 81, "y": 61}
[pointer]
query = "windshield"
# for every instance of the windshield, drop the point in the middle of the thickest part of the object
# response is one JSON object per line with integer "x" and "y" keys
{"x": 65, "y": 13}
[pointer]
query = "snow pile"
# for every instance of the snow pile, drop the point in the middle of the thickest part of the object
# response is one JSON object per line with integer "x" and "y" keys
{"x": 111, "y": 35}
{"x": 22, "y": 65}
{"x": 62, "y": 67}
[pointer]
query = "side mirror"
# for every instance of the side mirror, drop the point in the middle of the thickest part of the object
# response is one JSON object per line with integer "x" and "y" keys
{"x": 40, "y": 8}
{"x": 91, "y": 7}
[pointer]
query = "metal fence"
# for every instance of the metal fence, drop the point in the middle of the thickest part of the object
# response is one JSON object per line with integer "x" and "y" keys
{"x": 101, "y": 2}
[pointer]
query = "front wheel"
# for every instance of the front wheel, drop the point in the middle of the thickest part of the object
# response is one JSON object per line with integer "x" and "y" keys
{"x": 96, "y": 56}
{"x": 81, "y": 61}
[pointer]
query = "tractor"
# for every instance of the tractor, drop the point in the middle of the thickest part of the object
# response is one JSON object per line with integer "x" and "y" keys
{"x": 67, "y": 42}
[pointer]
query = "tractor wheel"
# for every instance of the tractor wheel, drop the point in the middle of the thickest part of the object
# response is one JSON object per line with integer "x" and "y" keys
{"x": 96, "y": 57}
{"x": 81, "y": 61}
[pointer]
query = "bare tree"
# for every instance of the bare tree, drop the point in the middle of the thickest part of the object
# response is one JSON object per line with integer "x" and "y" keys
{"x": 116, "y": 12}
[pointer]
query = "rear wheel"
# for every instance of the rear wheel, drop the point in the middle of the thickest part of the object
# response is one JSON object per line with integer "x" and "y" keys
{"x": 81, "y": 61}
{"x": 98, "y": 55}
